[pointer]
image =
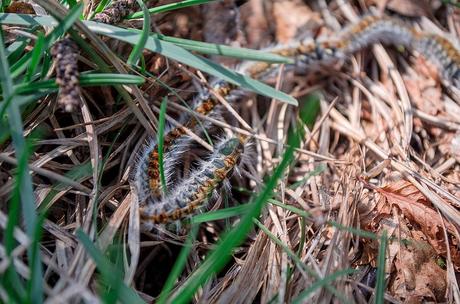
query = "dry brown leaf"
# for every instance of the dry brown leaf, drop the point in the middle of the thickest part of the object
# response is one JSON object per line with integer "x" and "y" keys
{"x": 416, "y": 208}
{"x": 418, "y": 277}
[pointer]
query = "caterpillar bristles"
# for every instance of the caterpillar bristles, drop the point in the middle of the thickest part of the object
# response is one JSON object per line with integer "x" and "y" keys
{"x": 374, "y": 29}
{"x": 116, "y": 11}
{"x": 193, "y": 193}
{"x": 65, "y": 54}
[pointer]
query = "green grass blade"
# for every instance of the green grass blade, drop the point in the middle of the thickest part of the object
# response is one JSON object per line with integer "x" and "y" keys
{"x": 169, "y": 7}
{"x": 223, "y": 50}
{"x": 219, "y": 214}
{"x": 317, "y": 171}
{"x": 101, "y": 6}
{"x": 109, "y": 273}
{"x": 293, "y": 209}
{"x": 16, "y": 49}
{"x": 160, "y": 136}
{"x": 100, "y": 79}
{"x": 178, "y": 265}
{"x": 86, "y": 80}
{"x": 35, "y": 285}
{"x": 5, "y": 4}
{"x": 37, "y": 53}
{"x": 380, "y": 285}
{"x": 309, "y": 109}
{"x": 139, "y": 47}
{"x": 353, "y": 230}
{"x": 10, "y": 279}
{"x": 301, "y": 298}
{"x": 16, "y": 129}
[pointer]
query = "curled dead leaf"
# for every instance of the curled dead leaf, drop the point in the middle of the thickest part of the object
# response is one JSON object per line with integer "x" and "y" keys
{"x": 420, "y": 213}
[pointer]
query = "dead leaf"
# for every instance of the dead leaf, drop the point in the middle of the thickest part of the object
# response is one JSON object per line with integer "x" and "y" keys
{"x": 418, "y": 277}
{"x": 420, "y": 214}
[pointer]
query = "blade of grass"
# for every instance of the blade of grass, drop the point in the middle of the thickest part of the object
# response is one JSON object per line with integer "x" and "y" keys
{"x": 27, "y": 195}
{"x": 160, "y": 136}
{"x": 309, "y": 109}
{"x": 302, "y": 297}
{"x": 37, "y": 53}
{"x": 353, "y": 230}
{"x": 169, "y": 7}
{"x": 224, "y": 50}
{"x": 380, "y": 285}
{"x": 86, "y": 80}
{"x": 16, "y": 49}
{"x": 5, "y": 4}
{"x": 293, "y": 209}
{"x": 139, "y": 47}
{"x": 109, "y": 273}
{"x": 317, "y": 171}
{"x": 35, "y": 284}
{"x": 179, "y": 265}
{"x": 219, "y": 214}
{"x": 100, "y": 7}
{"x": 305, "y": 214}
{"x": 10, "y": 279}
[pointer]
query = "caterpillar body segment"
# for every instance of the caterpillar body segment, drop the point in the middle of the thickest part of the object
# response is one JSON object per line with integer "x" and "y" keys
{"x": 443, "y": 53}
{"x": 193, "y": 192}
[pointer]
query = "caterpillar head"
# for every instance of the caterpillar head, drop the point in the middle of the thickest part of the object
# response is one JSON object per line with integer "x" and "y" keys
{"x": 231, "y": 146}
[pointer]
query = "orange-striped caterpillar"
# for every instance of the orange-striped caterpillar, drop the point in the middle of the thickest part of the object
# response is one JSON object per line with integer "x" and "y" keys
{"x": 194, "y": 192}
{"x": 372, "y": 29}
{"x": 176, "y": 142}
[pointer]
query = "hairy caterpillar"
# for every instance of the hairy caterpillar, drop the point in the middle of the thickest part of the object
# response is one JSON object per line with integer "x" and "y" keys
{"x": 374, "y": 29}
{"x": 194, "y": 191}
{"x": 187, "y": 195}
{"x": 116, "y": 11}
{"x": 176, "y": 142}
{"x": 65, "y": 54}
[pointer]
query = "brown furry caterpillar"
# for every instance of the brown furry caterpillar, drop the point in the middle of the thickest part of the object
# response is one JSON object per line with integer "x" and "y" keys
{"x": 193, "y": 192}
